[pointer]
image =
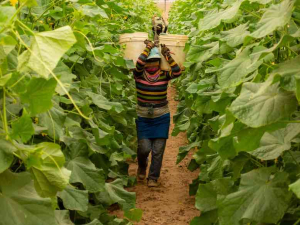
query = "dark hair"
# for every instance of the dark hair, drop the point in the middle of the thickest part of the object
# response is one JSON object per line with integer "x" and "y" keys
{"x": 161, "y": 30}
{"x": 158, "y": 25}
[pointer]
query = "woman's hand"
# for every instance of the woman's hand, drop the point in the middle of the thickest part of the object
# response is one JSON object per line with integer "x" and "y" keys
{"x": 149, "y": 43}
{"x": 165, "y": 51}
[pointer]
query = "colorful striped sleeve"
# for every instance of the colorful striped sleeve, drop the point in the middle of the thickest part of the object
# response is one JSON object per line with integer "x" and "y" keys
{"x": 175, "y": 69}
{"x": 140, "y": 64}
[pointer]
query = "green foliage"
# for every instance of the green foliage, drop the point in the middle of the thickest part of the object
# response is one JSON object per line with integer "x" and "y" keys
{"x": 239, "y": 106}
{"x": 134, "y": 214}
{"x": 18, "y": 195}
{"x": 67, "y": 110}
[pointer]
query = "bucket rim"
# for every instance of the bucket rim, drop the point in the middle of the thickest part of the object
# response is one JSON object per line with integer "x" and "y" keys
{"x": 174, "y": 35}
{"x": 131, "y": 34}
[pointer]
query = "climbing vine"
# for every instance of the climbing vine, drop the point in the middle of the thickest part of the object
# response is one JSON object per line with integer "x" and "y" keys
{"x": 239, "y": 104}
{"x": 67, "y": 110}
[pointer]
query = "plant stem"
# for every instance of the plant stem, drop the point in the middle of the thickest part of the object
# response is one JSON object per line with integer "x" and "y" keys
{"x": 253, "y": 14}
{"x": 297, "y": 222}
{"x": 3, "y": 3}
{"x": 4, "y": 113}
{"x": 24, "y": 26}
{"x": 53, "y": 126}
{"x": 291, "y": 121}
{"x": 17, "y": 81}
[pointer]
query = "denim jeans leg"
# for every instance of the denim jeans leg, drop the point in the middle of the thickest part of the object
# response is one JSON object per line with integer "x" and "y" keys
{"x": 144, "y": 148}
{"x": 158, "y": 148}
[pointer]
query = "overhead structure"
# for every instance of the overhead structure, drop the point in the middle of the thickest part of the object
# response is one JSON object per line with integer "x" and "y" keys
{"x": 164, "y": 5}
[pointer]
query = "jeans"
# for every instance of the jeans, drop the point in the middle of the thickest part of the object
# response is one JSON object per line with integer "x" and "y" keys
{"x": 157, "y": 146}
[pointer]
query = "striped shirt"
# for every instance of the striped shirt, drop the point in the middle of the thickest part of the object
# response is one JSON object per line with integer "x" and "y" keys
{"x": 153, "y": 92}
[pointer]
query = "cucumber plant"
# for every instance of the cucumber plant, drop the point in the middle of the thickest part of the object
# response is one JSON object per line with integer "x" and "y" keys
{"x": 239, "y": 104}
{"x": 67, "y": 109}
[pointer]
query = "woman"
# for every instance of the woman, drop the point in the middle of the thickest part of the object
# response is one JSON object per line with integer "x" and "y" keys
{"x": 153, "y": 113}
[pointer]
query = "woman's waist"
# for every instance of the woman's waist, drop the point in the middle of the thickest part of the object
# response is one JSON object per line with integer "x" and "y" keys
{"x": 152, "y": 112}
{"x": 154, "y": 104}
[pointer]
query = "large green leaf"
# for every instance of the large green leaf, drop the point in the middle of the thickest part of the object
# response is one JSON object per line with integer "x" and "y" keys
{"x": 208, "y": 218}
{"x": 134, "y": 214}
{"x": 47, "y": 49}
{"x": 23, "y": 127}
{"x": 62, "y": 217}
{"x": 5, "y": 79}
{"x": 65, "y": 76}
{"x": 39, "y": 94}
{"x": 262, "y": 197}
{"x": 104, "y": 103}
{"x": 115, "y": 193}
{"x": 7, "y": 45}
{"x": 203, "y": 84}
{"x": 224, "y": 146}
{"x": 40, "y": 9}
{"x": 74, "y": 199}
{"x": 184, "y": 150}
{"x": 237, "y": 165}
{"x": 285, "y": 40}
{"x": 93, "y": 10}
{"x": 290, "y": 72}
{"x": 248, "y": 139}
{"x": 214, "y": 18}
{"x": 6, "y": 154}
{"x": 46, "y": 163}
{"x": 201, "y": 53}
{"x": 235, "y": 36}
{"x": 289, "y": 68}
{"x": 54, "y": 121}
{"x": 260, "y": 104}
{"x": 206, "y": 197}
{"x": 6, "y": 13}
{"x": 85, "y": 172}
{"x": 274, "y": 17}
{"x": 234, "y": 72}
{"x": 216, "y": 168}
{"x": 272, "y": 145}
{"x": 295, "y": 187}
{"x": 94, "y": 212}
{"x": 20, "y": 204}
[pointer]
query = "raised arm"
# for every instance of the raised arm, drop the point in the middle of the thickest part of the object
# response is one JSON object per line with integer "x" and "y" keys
{"x": 141, "y": 62}
{"x": 175, "y": 69}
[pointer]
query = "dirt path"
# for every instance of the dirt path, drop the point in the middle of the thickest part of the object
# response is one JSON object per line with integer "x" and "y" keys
{"x": 169, "y": 204}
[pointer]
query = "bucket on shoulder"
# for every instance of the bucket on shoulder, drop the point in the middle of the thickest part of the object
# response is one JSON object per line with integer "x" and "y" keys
{"x": 176, "y": 44}
{"x": 134, "y": 44}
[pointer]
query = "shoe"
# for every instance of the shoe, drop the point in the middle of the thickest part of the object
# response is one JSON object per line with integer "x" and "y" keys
{"x": 141, "y": 173}
{"x": 153, "y": 183}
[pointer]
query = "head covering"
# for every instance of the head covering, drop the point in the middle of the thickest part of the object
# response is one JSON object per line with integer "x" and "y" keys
{"x": 154, "y": 54}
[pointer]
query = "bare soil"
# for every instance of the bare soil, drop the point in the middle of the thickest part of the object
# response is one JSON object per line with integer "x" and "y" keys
{"x": 169, "y": 203}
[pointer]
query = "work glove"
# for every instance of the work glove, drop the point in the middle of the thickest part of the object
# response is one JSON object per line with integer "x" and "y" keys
{"x": 165, "y": 51}
{"x": 149, "y": 43}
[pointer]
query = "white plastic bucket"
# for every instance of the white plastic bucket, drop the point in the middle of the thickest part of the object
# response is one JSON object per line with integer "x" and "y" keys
{"x": 134, "y": 44}
{"x": 176, "y": 44}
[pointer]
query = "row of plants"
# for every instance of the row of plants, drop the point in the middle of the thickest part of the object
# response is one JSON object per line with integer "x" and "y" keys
{"x": 239, "y": 105}
{"x": 67, "y": 110}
